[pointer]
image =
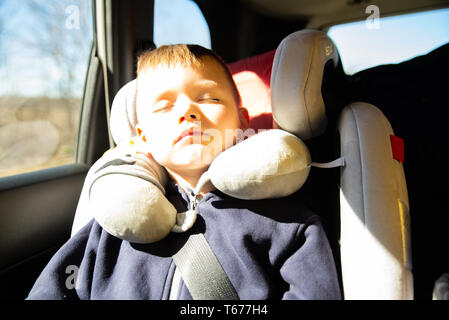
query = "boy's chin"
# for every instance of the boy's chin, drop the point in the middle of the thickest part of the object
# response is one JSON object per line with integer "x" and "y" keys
{"x": 192, "y": 160}
{"x": 195, "y": 156}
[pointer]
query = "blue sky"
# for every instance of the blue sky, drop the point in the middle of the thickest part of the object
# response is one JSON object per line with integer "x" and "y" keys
{"x": 180, "y": 21}
{"x": 397, "y": 39}
{"x": 27, "y": 70}
{"x": 42, "y": 51}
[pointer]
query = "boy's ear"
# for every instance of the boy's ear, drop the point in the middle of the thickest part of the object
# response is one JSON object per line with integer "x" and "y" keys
{"x": 244, "y": 118}
{"x": 140, "y": 133}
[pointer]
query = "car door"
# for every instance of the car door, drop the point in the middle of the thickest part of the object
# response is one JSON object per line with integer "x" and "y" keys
{"x": 52, "y": 128}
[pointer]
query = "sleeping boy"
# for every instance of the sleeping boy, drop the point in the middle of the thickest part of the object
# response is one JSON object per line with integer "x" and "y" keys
{"x": 269, "y": 249}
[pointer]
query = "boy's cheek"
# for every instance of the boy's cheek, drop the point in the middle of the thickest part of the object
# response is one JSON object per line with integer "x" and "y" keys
{"x": 159, "y": 155}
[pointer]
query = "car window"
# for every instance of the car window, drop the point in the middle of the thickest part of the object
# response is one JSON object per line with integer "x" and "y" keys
{"x": 179, "y": 21}
{"x": 384, "y": 40}
{"x": 44, "y": 55}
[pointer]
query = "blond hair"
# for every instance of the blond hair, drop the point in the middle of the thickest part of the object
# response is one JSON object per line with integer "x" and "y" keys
{"x": 186, "y": 55}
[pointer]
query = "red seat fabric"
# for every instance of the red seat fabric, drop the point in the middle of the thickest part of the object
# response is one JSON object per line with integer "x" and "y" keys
{"x": 252, "y": 77}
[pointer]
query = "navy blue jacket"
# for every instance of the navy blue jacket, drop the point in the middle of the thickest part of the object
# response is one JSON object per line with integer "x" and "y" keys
{"x": 270, "y": 249}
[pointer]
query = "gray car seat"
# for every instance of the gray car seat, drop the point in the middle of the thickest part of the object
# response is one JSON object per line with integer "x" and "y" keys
{"x": 375, "y": 248}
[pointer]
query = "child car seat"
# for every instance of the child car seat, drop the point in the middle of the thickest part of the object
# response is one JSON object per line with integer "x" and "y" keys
{"x": 283, "y": 88}
{"x": 374, "y": 211}
{"x": 375, "y": 248}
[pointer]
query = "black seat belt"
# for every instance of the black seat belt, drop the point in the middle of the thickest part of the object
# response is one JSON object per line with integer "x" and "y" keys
{"x": 202, "y": 272}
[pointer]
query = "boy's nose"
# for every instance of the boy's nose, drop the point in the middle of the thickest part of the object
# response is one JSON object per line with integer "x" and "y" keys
{"x": 189, "y": 116}
{"x": 189, "y": 111}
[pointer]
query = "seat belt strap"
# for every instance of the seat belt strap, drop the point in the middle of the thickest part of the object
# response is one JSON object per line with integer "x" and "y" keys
{"x": 340, "y": 162}
{"x": 202, "y": 272}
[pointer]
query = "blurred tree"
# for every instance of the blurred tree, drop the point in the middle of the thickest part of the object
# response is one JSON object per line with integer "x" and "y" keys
{"x": 44, "y": 54}
{"x": 62, "y": 35}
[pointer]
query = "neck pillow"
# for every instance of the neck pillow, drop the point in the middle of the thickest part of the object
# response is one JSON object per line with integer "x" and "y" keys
{"x": 125, "y": 189}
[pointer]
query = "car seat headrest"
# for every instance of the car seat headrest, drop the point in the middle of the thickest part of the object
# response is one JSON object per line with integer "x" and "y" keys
{"x": 123, "y": 113}
{"x": 296, "y": 80}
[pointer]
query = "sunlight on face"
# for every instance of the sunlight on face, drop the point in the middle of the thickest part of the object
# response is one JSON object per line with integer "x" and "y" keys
{"x": 187, "y": 115}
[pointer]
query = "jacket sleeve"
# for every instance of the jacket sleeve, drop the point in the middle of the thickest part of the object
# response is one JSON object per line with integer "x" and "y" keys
{"x": 58, "y": 280}
{"x": 310, "y": 270}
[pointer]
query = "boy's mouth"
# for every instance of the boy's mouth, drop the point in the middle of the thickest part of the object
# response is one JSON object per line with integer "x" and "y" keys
{"x": 192, "y": 132}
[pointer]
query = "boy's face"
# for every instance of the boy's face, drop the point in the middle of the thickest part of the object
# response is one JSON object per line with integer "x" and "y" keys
{"x": 187, "y": 116}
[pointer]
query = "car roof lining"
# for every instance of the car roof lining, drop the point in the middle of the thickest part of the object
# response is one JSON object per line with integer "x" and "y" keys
{"x": 324, "y": 13}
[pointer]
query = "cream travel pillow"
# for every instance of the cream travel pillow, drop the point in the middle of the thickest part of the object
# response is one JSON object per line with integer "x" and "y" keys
{"x": 126, "y": 189}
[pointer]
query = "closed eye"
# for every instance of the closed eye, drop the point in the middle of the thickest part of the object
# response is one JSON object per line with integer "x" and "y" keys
{"x": 209, "y": 100}
{"x": 163, "y": 109}
{"x": 162, "y": 106}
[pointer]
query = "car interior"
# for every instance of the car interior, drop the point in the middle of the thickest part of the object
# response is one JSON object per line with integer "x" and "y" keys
{"x": 381, "y": 211}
